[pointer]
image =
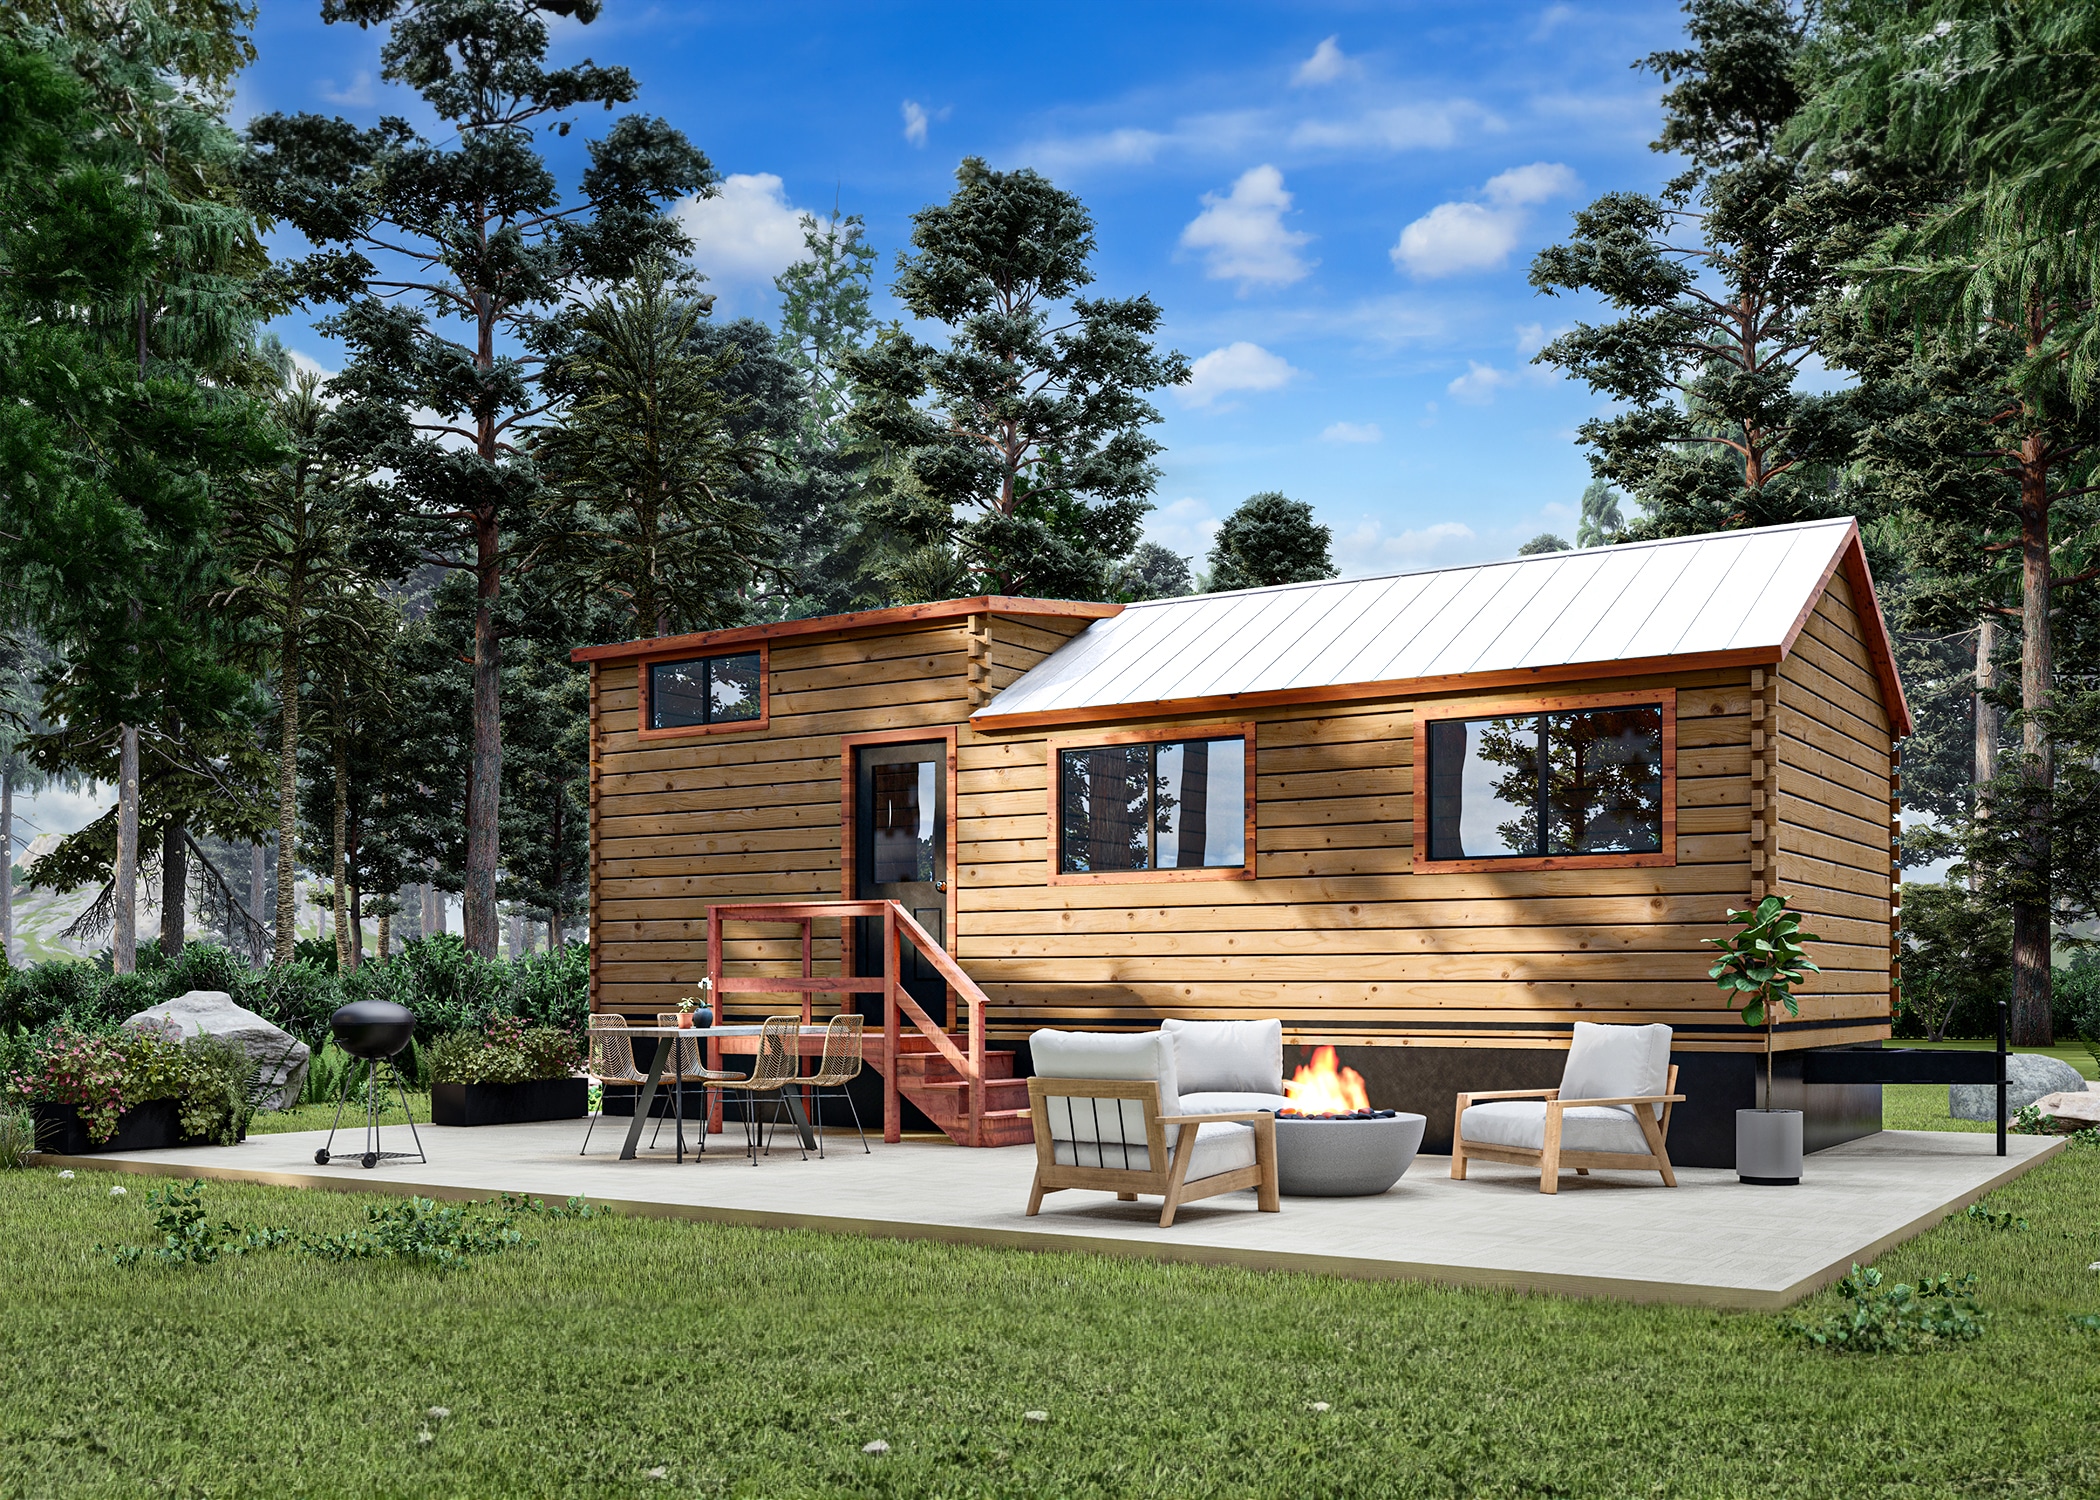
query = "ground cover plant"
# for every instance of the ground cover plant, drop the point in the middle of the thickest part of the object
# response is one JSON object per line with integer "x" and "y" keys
{"x": 618, "y": 1347}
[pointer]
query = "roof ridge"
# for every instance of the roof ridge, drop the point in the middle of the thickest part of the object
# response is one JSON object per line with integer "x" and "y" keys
{"x": 1500, "y": 562}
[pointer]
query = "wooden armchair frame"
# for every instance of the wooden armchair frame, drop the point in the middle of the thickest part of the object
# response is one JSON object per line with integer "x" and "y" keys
{"x": 1168, "y": 1173}
{"x": 1549, "y": 1159}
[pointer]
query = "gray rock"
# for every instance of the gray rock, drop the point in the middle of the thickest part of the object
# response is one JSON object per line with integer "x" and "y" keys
{"x": 280, "y": 1058}
{"x": 2028, "y": 1077}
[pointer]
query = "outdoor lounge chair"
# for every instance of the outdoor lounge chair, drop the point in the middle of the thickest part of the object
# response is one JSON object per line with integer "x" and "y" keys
{"x": 1612, "y": 1109}
{"x": 1103, "y": 1104}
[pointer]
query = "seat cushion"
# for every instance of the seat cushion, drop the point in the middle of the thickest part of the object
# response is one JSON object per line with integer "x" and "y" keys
{"x": 1230, "y": 1103}
{"x": 1617, "y": 1062}
{"x": 1522, "y": 1123}
{"x": 1224, "y": 1147}
{"x": 1227, "y": 1056}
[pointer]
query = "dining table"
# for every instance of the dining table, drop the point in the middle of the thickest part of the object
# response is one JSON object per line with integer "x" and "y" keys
{"x": 647, "y": 1097}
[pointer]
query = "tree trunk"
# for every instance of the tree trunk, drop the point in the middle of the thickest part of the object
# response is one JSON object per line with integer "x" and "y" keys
{"x": 484, "y": 785}
{"x": 124, "y": 937}
{"x": 2030, "y": 912}
{"x": 386, "y": 933}
{"x": 341, "y": 910}
{"x": 257, "y": 858}
{"x": 287, "y": 793}
{"x": 1989, "y": 722}
{"x": 357, "y": 927}
{"x": 553, "y": 932}
{"x": 174, "y": 886}
{"x": 7, "y": 868}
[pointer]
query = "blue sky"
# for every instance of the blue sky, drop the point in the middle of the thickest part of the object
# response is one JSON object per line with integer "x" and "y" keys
{"x": 1335, "y": 205}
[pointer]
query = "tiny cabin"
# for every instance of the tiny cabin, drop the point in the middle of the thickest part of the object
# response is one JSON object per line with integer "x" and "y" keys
{"x": 1430, "y": 820}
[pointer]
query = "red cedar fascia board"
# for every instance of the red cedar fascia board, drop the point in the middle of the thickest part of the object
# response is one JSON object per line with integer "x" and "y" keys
{"x": 867, "y": 619}
{"x": 1851, "y": 555}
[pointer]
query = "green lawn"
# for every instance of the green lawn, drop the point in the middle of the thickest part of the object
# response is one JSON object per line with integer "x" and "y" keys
{"x": 757, "y": 1363}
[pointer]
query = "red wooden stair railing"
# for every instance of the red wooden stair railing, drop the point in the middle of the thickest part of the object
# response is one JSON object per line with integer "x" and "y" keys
{"x": 957, "y": 1083}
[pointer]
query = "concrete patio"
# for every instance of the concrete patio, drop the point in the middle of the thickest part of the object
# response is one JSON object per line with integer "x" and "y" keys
{"x": 1709, "y": 1242}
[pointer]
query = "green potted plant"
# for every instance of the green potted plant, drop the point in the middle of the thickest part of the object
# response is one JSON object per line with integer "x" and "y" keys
{"x": 507, "y": 1075}
{"x": 1760, "y": 964}
{"x": 694, "y": 1009}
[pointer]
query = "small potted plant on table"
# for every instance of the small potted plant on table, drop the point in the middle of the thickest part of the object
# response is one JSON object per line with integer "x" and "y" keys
{"x": 511, "y": 1074}
{"x": 694, "y": 1009}
{"x": 1761, "y": 963}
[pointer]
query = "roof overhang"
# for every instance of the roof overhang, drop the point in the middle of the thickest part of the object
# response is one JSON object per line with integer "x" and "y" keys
{"x": 867, "y": 619}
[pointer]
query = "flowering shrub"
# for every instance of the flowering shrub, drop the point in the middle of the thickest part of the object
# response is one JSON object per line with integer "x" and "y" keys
{"x": 103, "y": 1073}
{"x": 510, "y": 1051}
{"x": 80, "y": 1069}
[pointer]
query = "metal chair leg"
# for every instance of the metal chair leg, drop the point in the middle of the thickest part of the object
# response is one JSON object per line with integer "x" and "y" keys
{"x": 856, "y": 1120}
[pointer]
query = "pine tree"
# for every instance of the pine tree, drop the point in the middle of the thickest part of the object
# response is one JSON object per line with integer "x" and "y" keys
{"x": 413, "y": 234}
{"x": 1025, "y": 437}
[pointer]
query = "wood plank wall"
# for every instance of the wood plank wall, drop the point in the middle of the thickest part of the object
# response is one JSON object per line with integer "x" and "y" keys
{"x": 678, "y": 825}
{"x": 1832, "y": 817}
{"x": 1337, "y": 935}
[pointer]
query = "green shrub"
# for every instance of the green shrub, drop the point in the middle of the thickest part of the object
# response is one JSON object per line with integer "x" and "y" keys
{"x": 17, "y": 1139}
{"x": 1895, "y": 1319}
{"x": 508, "y": 1052}
{"x": 218, "y": 1089}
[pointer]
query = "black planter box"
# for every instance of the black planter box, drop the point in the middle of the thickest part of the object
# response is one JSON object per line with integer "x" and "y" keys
{"x": 509, "y": 1103}
{"x": 152, "y": 1126}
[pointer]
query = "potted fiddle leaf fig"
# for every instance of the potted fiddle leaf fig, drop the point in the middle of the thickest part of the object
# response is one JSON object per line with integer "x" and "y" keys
{"x": 1760, "y": 964}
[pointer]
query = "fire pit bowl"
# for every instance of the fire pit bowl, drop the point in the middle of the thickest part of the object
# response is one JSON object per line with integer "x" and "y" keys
{"x": 1345, "y": 1155}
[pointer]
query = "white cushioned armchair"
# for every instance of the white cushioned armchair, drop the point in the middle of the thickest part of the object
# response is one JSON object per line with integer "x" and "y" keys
{"x": 1612, "y": 1110}
{"x": 1104, "y": 1104}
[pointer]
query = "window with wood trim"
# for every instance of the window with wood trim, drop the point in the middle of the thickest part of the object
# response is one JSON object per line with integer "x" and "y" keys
{"x": 703, "y": 693}
{"x": 1169, "y": 804}
{"x": 1550, "y": 784}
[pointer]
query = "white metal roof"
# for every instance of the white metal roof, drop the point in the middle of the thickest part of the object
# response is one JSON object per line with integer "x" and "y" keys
{"x": 1731, "y": 591}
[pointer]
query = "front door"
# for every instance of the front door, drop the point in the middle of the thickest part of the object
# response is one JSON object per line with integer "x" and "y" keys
{"x": 901, "y": 839}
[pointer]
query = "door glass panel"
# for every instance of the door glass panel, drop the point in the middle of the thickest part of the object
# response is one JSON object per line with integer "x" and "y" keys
{"x": 903, "y": 811}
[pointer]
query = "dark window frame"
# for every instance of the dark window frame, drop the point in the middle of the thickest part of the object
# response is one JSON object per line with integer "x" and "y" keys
{"x": 1173, "y": 734}
{"x": 645, "y": 673}
{"x": 1427, "y": 714}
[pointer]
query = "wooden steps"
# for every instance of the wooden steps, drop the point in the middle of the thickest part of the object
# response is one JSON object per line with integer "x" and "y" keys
{"x": 933, "y": 1086}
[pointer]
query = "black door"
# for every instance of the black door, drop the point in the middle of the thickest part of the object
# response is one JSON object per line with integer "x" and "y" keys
{"x": 900, "y": 831}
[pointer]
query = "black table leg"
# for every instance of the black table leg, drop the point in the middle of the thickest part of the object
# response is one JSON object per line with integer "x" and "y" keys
{"x": 647, "y": 1098}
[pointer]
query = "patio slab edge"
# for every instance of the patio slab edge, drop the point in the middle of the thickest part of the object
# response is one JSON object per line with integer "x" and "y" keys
{"x": 1363, "y": 1268}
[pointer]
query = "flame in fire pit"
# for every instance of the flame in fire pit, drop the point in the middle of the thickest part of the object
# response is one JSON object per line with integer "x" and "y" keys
{"x": 1324, "y": 1086}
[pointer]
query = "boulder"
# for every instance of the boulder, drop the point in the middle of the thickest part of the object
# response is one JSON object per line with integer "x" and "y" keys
{"x": 279, "y": 1057}
{"x": 2073, "y": 1109}
{"x": 2028, "y": 1077}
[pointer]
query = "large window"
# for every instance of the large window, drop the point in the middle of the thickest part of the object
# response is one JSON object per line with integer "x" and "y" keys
{"x": 1560, "y": 784}
{"x": 706, "y": 692}
{"x": 1152, "y": 806}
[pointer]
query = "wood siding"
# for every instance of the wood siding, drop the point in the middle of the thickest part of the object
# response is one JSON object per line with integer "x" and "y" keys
{"x": 1831, "y": 816}
{"x": 1781, "y": 776}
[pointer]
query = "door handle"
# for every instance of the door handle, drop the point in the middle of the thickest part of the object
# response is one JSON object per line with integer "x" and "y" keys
{"x": 940, "y": 885}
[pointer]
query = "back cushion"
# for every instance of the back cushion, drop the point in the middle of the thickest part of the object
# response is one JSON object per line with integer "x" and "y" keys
{"x": 1104, "y": 1054}
{"x": 1227, "y": 1057}
{"x": 1614, "y": 1062}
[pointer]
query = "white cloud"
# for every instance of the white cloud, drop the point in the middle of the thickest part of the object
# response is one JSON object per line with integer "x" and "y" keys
{"x": 1327, "y": 63}
{"x": 1186, "y": 526}
{"x": 1236, "y": 367}
{"x": 1481, "y": 383}
{"x": 1352, "y": 432}
{"x": 1242, "y": 236}
{"x": 915, "y": 122}
{"x": 356, "y": 94}
{"x": 748, "y": 232}
{"x": 1226, "y": 133}
{"x": 1370, "y": 550}
{"x": 1455, "y": 237}
{"x": 1407, "y": 127}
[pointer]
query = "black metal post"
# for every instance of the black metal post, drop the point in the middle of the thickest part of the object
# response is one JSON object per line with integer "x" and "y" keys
{"x": 2001, "y": 1077}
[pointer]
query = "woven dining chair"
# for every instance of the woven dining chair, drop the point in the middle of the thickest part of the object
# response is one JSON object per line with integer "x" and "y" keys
{"x": 611, "y": 1061}
{"x": 840, "y": 1066}
{"x": 686, "y": 1065}
{"x": 777, "y": 1066}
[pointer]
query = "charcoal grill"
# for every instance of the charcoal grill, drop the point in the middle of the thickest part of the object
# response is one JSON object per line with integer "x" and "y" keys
{"x": 372, "y": 1032}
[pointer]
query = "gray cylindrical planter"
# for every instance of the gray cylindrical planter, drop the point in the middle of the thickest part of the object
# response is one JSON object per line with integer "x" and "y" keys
{"x": 1768, "y": 1147}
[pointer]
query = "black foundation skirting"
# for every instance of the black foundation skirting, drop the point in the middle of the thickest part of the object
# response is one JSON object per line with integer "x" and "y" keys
{"x": 1427, "y": 1081}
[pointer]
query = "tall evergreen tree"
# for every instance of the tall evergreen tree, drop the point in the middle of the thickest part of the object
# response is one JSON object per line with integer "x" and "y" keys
{"x": 413, "y": 235}
{"x": 1025, "y": 437}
